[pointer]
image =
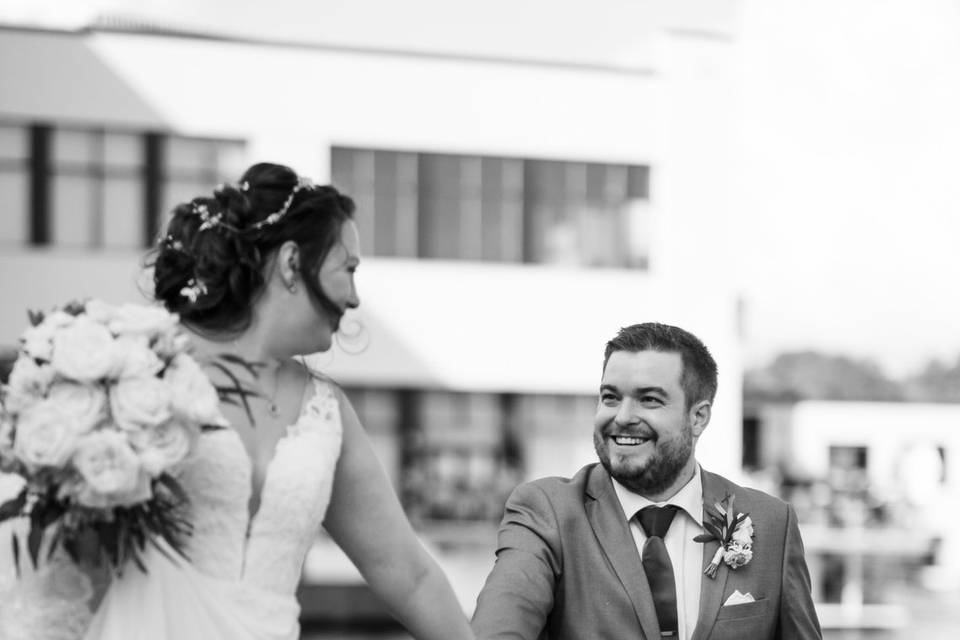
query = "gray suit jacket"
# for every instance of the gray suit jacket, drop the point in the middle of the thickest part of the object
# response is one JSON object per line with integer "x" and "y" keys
{"x": 567, "y": 568}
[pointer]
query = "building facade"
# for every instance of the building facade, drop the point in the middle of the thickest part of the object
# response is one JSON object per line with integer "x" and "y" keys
{"x": 514, "y": 214}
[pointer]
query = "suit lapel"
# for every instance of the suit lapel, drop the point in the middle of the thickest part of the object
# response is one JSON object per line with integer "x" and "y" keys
{"x": 711, "y": 589}
{"x": 613, "y": 532}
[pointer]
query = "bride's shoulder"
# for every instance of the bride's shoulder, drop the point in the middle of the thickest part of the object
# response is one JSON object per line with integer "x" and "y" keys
{"x": 322, "y": 391}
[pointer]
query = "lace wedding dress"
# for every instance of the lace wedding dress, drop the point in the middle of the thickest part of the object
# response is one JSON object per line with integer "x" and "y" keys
{"x": 241, "y": 579}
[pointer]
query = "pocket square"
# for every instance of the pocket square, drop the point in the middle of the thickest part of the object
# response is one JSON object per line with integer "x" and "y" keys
{"x": 738, "y": 598}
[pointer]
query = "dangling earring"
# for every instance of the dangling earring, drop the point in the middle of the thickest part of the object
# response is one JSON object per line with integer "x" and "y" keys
{"x": 291, "y": 287}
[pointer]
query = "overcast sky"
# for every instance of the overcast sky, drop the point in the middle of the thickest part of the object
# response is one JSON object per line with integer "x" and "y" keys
{"x": 847, "y": 243}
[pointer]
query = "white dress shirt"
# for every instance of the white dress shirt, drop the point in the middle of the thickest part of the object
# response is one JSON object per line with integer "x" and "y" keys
{"x": 686, "y": 556}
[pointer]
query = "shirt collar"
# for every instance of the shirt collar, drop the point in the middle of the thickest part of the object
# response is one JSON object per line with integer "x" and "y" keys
{"x": 689, "y": 498}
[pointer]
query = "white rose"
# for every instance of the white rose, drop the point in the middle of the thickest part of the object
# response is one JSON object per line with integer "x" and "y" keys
{"x": 59, "y": 319}
{"x": 736, "y": 555}
{"x": 28, "y": 383}
{"x": 111, "y": 471}
{"x": 37, "y": 342}
{"x": 11, "y": 484}
{"x": 138, "y": 403}
{"x": 163, "y": 446}
{"x": 84, "y": 351}
{"x": 85, "y": 403}
{"x": 136, "y": 358}
{"x": 195, "y": 399}
{"x": 170, "y": 343}
{"x": 743, "y": 534}
{"x": 138, "y": 319}
{"x": 6, "y": 437}
{"x": 46, "y": 435}
{"x": 100, "y": 311}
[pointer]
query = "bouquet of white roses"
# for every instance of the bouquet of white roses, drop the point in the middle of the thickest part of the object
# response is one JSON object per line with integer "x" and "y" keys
{"x": 102, "y": 404}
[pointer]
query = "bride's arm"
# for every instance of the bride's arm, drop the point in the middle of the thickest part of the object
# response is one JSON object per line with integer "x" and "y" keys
{"x": 366, "y": 520}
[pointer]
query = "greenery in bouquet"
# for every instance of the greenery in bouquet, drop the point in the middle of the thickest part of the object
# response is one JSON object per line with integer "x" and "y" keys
{"x": 102, "y": 405}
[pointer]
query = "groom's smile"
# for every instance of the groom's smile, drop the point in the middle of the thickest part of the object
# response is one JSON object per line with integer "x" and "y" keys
{"x": 641, "y": 429}
{"x": 630, "y": 441}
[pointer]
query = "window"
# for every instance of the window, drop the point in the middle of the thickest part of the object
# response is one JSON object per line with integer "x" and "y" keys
{"x": 97, "y": 188}
{"x": 465, "y": 207}
{"x": 455, "y": 466}
{"x": 103, "y": 188}
{"x": 195, "y": 166}
{"x": 14, "y": 184}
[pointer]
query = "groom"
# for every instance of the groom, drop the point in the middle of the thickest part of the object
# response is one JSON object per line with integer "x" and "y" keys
{"x": 611, "y": 552}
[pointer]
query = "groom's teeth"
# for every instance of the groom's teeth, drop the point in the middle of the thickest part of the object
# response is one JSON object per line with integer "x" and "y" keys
{"x": 629, "y": 440}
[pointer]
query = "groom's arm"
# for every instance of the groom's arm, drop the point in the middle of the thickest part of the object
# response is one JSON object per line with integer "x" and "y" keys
{"x": 518, "y": 595}
{"x": 798, "y": 617}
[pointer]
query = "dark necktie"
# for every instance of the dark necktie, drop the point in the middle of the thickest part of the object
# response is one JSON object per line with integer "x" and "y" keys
{"x": 656, "y": 564}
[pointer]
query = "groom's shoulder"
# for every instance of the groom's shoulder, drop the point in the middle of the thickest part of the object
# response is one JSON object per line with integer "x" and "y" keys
{"x": 559, "y": 485}
{"x": 557, "y": 491}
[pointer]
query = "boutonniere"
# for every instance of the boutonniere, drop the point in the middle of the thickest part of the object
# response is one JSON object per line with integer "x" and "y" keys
{"x": 734, "y": 532}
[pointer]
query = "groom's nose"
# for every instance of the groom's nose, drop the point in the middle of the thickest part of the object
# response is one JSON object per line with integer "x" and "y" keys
{"x": 627, "y": 414}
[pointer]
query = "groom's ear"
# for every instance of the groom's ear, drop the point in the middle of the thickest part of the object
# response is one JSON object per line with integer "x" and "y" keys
{"x": 699, "y": 415}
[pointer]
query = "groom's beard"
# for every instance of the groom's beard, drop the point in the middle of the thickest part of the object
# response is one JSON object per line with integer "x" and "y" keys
{"x": 659, "y": 472}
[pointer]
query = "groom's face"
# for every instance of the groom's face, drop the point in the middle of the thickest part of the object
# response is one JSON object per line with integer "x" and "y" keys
{"x": 643, "y": 433}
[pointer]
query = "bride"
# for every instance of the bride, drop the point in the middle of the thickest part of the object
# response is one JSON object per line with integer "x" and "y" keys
{"x": 264, "y": 271}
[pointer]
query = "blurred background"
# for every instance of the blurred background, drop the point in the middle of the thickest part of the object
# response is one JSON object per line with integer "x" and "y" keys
{"x": 776, "y": 176}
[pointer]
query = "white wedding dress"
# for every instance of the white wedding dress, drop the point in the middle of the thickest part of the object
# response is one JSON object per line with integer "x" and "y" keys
{"x": 241, "y": 579}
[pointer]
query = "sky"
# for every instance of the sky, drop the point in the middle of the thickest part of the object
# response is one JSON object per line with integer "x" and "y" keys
{"x": 846, "y": 243}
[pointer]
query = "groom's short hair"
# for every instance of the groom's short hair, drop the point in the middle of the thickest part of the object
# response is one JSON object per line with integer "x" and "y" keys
{"x": 699, "y": 376}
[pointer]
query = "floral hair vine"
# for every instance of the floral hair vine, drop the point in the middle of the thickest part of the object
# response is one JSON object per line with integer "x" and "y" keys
{"x": 210, "y": 220}
{"x": 194, "y": 289}
{"x": 734, "y": 532}
{"x": 171, "y": 243}
{"x": 276, "y": 216}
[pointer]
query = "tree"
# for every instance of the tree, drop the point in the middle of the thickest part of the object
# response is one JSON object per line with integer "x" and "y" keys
{"x": 813, "y": 375}
{"x": 937, "y": 382}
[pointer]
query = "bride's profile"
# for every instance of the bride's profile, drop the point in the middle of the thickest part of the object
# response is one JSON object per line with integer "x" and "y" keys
{"x": 263, "y": 271}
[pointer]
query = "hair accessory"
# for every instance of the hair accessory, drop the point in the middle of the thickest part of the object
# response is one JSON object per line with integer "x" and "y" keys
{"x": 170, "y": 242}
{"x": 194, "y": 289}
{"x": 276, "y": 216}
{"x": 207, "y": 221}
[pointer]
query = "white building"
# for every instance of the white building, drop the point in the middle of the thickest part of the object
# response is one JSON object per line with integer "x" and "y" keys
{"x": 514, "y": 214}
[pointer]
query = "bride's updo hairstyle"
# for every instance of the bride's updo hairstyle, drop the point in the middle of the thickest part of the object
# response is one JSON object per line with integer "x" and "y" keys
{"x": 212, "y": 264}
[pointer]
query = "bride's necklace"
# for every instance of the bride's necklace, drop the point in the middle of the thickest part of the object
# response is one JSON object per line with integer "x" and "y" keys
{"x": 271, "y": 400}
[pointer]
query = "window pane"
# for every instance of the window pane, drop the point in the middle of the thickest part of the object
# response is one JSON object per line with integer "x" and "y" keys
{"x": 190, "y": 157}
{"x": 14, "y": 204}
{"x": 179, "y": 191}
{"x": 353, "y": 172}
{"x": 439, "y": 206}
{"x": 385, "y": 203}
{"x": 122, "y": 212}
{"x": 471, "y": 210}
{"x": 639, "y": 182}
{"x": 13, "y": 143}
{"x": 122, "y": 151}
{"x": 72, "y": 211}
{"x": 502, "y": 209}
{"x": 406, "y": 207}
{"x": 74, "y": 147}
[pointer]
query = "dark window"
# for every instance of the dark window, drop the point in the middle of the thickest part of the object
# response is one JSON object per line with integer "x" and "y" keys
{"x": 461, "y": 207}
{"x": 95, "y": 187}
